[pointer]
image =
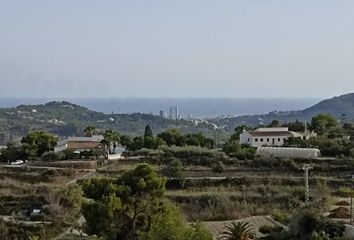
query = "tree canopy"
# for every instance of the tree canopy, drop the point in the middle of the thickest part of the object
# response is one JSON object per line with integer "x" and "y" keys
{"x": 90, "y": 130}
{"x": 321, "y": 123}
{"x": 172, "y": 137}
{"x": 110, "y": 141}
{"x": 38, "y": 142}
{"x": 133, "y": 207}
{"x": 148, "y": 131}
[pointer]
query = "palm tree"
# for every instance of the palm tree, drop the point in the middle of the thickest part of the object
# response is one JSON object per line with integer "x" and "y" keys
{"x": 105, "y": 146}
{"x": 89, "y": 131}
{"x": 237, "y": 231}
{"x": 112, "y": 139}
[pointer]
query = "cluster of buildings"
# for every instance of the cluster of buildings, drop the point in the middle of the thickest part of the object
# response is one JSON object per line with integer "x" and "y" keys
{"x": 270, "y": 141}
{"x": 173, "y": 115}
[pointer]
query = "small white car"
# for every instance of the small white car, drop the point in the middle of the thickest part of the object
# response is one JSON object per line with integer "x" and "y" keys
{"x": 17, "y": 162}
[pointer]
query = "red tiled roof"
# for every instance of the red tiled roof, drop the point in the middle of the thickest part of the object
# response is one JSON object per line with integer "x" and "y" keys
{"x": 276, "y": 134}
{"x": 75, "y": 145}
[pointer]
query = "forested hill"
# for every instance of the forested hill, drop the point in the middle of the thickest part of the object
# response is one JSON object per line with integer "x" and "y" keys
{"x": 67, "y": 119}
{"x": 337, "y": 106}
{"x": 341, "y": 107}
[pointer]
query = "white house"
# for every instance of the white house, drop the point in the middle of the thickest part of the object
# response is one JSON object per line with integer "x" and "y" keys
{"x": 118, "y": 153}
{"x": 271, "y": 136}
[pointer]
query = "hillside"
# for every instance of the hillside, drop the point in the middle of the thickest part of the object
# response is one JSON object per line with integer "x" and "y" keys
{"x": 67, "y": 119}
{"x": 337, "y": 106}
{"x": 341, "y": 107}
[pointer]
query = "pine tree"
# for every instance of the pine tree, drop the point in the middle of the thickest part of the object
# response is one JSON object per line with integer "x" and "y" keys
{"x": 148, "y": 132}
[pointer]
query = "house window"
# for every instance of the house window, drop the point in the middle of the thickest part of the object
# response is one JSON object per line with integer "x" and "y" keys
{"x": 278, "y": 139}
{"x": 261, "y": 139}
{"x": 267, "y": 139}
{"x": 248, "y": 140}
{"x": 256, "y": 139}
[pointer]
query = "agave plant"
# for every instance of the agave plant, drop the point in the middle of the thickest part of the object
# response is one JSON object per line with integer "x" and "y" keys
{"x": 237, "y": 231}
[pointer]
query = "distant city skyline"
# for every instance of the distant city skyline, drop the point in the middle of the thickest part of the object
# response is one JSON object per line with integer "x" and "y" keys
{"x": 186, "y": 106}
{"x": 201, "y": 48}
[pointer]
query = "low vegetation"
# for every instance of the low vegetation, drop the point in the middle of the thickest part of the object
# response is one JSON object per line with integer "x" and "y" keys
{"x": 189, "y": 179}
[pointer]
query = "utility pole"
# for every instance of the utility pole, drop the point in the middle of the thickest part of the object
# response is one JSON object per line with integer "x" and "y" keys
{"x": 351, "y": 202}
{"x": 215, "y": 138}
{"x": 306, "y": 168}
{"x": 351, "y": 199}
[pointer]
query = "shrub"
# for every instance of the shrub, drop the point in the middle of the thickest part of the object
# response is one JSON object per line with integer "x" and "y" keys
{"x": 281, "y": 217}
{"x": 174, "y": 184}
{"x": 173, "y": 169}
{"x": 50, "y": 172}
{"x": 306, "y": 223}
{"x": 70, "y": 155}
{"x": 344, "y": 192}
{"x": 51, "y": 156}
{"x": 270, "y": 229}
{"x": 242, "y": 152}
{"x": 272, "y": 163}
{"x": 193, "y": 155}
{"x": 219, "y": 167}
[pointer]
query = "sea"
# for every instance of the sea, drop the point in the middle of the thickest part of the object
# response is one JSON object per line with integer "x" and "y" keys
{"x": 187, "y": 107}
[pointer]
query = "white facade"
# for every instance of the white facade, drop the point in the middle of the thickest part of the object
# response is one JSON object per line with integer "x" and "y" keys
{"x": 61, "y": 146}
{"x": 265, "y": 137}
{"x": 266, "y": 140}
{"x": 118, "y": 153}
{"x": 271, "y": 136}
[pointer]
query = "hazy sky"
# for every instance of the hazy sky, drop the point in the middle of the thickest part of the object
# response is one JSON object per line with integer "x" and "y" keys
{"x": 180, "y": 48}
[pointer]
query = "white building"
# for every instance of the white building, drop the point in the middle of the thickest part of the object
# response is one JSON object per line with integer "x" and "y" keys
{"x": 271, "y": 136}
{"x": 174, "y": 113}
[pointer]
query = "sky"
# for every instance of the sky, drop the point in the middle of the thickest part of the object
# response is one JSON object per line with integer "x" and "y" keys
{"x": 181, "y": 48}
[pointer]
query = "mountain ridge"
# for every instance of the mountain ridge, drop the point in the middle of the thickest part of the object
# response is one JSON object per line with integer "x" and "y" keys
{"x": 66, "y": 119}
{"x": 341, "y": 107}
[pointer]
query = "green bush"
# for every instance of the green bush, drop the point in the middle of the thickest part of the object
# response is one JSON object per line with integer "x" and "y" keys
{"x": 281, "y": 217}
{"x": 70, "y": 155}
{"x": 306, "y": 223}
{"x": 270, "y": 229}
{"x": 173, "y": 169}
{"x": 219, "y": 167}
{"x": 272, "y": 163}
{"x": 344, "y": 192}
{"x": 242, "y": 152}
{"x": 51, "y": 156}
{"x": 193, "y": 155}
